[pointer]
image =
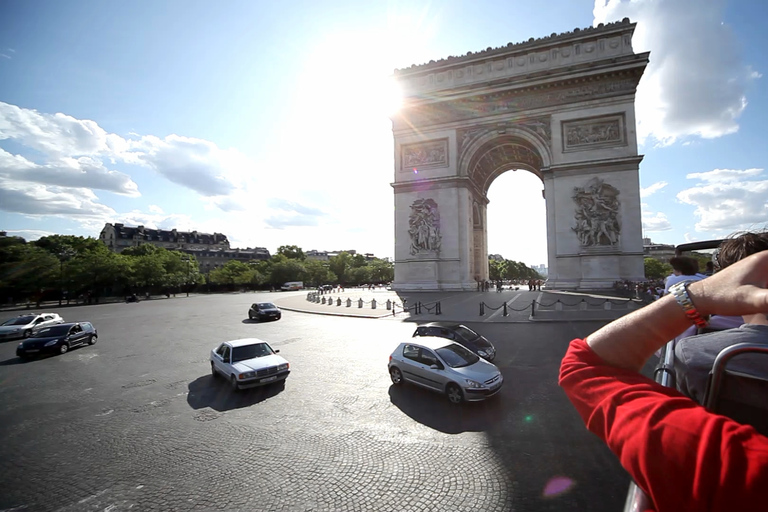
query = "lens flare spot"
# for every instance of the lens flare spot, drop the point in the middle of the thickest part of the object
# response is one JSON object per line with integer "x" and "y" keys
{"x": 558, "y": 485}
{"x": 528, "y": 418}
{"x": 415, "y": 171}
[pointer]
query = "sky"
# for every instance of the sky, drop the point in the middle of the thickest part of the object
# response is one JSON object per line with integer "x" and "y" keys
{"x": 269, "y": 121}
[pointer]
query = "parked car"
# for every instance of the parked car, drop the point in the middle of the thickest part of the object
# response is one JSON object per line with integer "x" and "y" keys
{"x": 462, "y": 335}
{"x": 446, "y": 367}
{"x": 58, "y": 339}
{"x": 23, "y": 326}
{"x": 264, "y": 311}
{"x": 248, "y": 363}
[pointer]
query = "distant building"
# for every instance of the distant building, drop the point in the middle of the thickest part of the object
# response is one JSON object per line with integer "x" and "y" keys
{"x": 541, "y": 269}
{"x": 326, "y": 255}
{"x": 661, "y": 252}
{"x": 495, "y": 257}
{"x": 210, "y": 250}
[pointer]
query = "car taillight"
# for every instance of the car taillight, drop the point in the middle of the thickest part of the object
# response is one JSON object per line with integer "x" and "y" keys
{"x": 390, "y": 358}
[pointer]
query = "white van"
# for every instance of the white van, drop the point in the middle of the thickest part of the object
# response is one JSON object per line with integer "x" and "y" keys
{"x": 292, "y": 286}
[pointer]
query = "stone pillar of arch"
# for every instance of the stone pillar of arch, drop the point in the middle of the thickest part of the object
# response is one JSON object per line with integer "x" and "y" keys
{"x": 560, "y": 107}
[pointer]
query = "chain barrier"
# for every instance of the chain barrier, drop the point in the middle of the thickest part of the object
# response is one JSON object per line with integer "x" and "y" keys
{"x": 583, "y": 302}
{"x": 390, "y": 305}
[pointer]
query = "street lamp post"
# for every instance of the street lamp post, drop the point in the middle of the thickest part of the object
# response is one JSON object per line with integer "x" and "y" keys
{"x": 188, "y": 263}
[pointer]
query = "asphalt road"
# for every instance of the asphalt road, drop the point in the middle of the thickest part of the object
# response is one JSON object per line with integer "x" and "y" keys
{"x": 136, "y": 422}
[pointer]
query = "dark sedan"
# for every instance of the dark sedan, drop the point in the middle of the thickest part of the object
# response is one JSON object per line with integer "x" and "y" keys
{"x": 462, "y": 335}
{"x": 57, "y": 339}
{"x": 264, "y": 311}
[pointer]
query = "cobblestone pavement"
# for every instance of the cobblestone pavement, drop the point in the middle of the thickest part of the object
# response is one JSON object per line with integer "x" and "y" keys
{"x": 136, "y": 422}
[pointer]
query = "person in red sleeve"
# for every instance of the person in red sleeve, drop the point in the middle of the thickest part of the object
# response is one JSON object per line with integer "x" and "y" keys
{"x": 681, "y": 455}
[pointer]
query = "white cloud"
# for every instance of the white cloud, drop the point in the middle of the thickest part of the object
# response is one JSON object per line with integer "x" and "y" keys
{"x": 155, "y": 209}
{"x": 84, "y": 171}
{"x": 655, "y": 221}
{"x": 29, "y": 235}
{"x": 726, "y": 200}
{"x": 197, "y": 164}
{"x": 648, "y": 191}
{"x": 696, "y": 82}
{"x": 37, "y": 200}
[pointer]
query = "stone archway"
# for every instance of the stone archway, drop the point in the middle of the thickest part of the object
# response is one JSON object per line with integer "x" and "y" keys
{"x": 561, "y": 107}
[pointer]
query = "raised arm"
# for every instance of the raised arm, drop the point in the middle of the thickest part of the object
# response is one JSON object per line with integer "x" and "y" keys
{"x": 738, "y": 290}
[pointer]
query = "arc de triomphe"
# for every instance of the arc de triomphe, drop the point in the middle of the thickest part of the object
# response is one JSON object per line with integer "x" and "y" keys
{"x": 561, "y": 107}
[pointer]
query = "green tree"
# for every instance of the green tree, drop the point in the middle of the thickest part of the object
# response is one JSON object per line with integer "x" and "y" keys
{"x": 233, "y": 273}
{"x": 317, "y": 273}
{"x": 292, "y": 252}
{"x": 382, "y": 271}
{"x": 339, "y": 265}
{"x": 27, "y": 271}
{"x": 288, "y": 270}
{"x": 655, "y": 269}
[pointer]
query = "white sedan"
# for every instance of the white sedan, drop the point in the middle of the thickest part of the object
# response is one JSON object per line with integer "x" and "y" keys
{"x": 23, "y": 326}
{"x": 248, "y": 363}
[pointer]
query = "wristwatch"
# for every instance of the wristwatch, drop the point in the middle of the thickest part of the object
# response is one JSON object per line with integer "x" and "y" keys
{"x": 680, "y": 291}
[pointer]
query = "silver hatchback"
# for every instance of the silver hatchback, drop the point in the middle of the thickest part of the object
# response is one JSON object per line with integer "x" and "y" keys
{"x": 444, "y": 366}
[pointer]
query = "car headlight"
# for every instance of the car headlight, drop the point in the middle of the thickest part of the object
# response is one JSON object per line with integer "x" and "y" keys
{"x": 51, "y": 343}
{"x": 282, "y": 367}
{"x": 482, "y": 353}
{"x": 473, "y": 384}
{"x": 246, "y": 375}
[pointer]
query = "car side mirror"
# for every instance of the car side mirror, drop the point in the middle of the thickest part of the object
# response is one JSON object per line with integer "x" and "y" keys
{"x": 277, "y": 351}
{"x": 434, "y": 367}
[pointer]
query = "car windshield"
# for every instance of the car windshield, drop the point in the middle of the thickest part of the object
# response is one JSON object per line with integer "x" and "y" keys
{"x": 21, "y": 320}
{"x": 250, "y": 352}
{"x": 48, "y": 332}
{"x": 265, "y": 305}
{"x": 457, "y": 356}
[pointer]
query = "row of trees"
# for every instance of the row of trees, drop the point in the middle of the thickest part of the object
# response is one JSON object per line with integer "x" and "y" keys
{"x": 509, "y": 269}
{"x": 69, "y": 267}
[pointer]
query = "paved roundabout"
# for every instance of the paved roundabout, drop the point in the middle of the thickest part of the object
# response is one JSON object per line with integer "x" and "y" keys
{"x": 136, "y": 422}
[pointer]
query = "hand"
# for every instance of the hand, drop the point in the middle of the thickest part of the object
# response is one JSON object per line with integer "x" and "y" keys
{"x": 737, "y": 290}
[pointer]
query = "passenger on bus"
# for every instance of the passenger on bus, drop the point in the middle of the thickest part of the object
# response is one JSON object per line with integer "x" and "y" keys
{"x": 681, "y": 455}
{"x": 684, "y": 268}
{"x": 694, "y": 356}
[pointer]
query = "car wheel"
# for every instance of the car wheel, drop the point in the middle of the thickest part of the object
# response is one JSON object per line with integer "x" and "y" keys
{"x": 233, "y": 382}
{"x": 453, "y": 392}
{"x": 250, "y": 316}
{"x": 396, "y": 375}
{"x": 213, "y": 371}
{"x": 92, "y": 339}
{"x": 64, "y": 348}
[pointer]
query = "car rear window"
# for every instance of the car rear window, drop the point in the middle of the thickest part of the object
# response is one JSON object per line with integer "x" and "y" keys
{"x": 457, "y": 356}
{"x": 466, "y": 333}
{"x": 21, "y": 320}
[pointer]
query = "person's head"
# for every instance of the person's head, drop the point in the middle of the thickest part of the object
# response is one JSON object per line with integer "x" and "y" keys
{"x": 740, "y": 245}
{"x": 737, "y": 247}
{"x": 683, "y": 265}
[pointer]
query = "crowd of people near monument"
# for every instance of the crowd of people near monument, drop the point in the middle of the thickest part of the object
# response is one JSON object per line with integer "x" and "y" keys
{"x": 498, "y": 285}
{"x": 682, "y": 455}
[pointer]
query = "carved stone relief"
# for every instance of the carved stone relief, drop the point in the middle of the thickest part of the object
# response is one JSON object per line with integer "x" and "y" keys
{"x": 518, "y": 100}
{"x": 425, "y": 155}
{"x": 594, "y": 132}
{"x": 597, "y": 214}
{"x": 424, "y": 226}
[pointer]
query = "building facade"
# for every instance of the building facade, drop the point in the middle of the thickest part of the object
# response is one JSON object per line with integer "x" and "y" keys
{"x": 210, "y": 250}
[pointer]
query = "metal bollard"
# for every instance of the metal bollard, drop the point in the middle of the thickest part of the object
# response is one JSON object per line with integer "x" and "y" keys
{"x": 360, "y": 303}
{"x": 323, "y": 300}
{"x": 373, "y": 303}
{"x": 482, "y": 309}
{"x": 338, "y": 301}
{"x": 349, "y": 302}
{"x": 533, "y": 307}
{"x": 583, "y": 305}
{"x": 439, "y": 309}
{"x": 389, "y": 304}
{"x": 505, "y": 309}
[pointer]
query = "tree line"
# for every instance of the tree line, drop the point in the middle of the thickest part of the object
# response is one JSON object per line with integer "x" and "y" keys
{"x": 509, "y": 269}
{"x": 78, "y": 268}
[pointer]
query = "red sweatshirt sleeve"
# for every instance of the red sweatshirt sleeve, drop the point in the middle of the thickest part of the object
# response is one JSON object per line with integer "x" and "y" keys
{"x": 684, "y": 457}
